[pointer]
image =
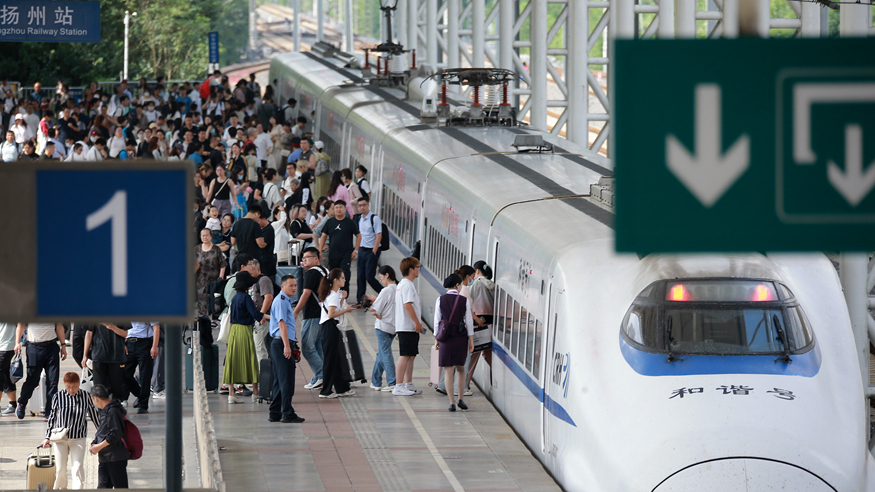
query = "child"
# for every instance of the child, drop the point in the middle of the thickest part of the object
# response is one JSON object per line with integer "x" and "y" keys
{"x": 215, "y": 225}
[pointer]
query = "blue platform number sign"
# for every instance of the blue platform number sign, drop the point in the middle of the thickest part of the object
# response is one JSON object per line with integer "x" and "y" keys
{"x": 117, "y": 249}
{"x": 50, "y": 21}
{"x": 214, "y": 47}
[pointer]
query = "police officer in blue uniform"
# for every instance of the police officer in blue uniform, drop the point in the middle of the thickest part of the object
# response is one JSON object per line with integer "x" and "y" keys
{"x": 284, "y": 353}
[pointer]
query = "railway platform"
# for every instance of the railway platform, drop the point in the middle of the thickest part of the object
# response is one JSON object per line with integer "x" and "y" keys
{"x": 374, "y": 441}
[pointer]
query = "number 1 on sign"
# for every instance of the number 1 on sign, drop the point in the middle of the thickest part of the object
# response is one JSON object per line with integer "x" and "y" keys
{"x": 116, "y": 211}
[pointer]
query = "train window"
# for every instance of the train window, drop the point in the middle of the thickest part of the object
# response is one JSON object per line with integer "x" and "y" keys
{"x": 498, "y": 316}
{"x": 515, "y": 329}
{"x": 530, "y": 342}
{"x": 717, "y": 317}
{"x": 508, "y": 322}
{"x": 536, "y": 362}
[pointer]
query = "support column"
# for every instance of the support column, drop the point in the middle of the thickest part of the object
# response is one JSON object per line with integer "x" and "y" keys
{"x": 753, "y": 18}
{"x": 854, "y": 20}
{"x": 413, "y": 25}
{"x": 349, "y": 36}
{"x": 810, "y": 17}
{"x": 623, "y": 19}
{"x": 538, "y": 65}
{"x": 431, "y": 41}
{"x": 453, "y": 58}
{"x": 684, "y": 19}
{"x": 296, "y": 26}
{"x": 578, "y": 65}
{"x": 478, "y": 36}
{"x": 506, "y": 18}
{"x": 665, "y": 30}
{"x": 173, "y": 371}
{"x": 320, "y": 20}
{"x": 730, "y": 19}
{"x": 401, "y": 23}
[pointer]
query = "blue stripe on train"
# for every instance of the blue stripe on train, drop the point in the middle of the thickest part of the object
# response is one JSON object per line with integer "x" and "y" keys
{"x": 657, "y": 364}
{"x": 550, "y": 404}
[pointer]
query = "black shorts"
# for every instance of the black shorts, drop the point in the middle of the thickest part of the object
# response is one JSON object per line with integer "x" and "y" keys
{"x": 408, "y": 343}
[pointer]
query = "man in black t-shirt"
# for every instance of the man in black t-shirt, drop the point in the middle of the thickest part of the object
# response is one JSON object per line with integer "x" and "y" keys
{"x": 268, "y": 257}
{"x": 311, "y": 331}
{"x": 246, "y": 234}
{"x": 345, "y": 240}
{"x": 105, "y": 346}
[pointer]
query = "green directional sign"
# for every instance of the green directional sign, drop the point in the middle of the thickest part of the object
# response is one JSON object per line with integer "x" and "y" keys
{"x": 744, "y": 145}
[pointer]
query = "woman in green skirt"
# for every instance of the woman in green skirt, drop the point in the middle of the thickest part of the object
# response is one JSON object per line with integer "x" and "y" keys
{"x": 241, "y": 363}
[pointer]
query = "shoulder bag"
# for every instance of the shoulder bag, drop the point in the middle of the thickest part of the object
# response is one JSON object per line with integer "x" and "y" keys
{"x": 225, "y": 327}
{"x": 442, "y": 334}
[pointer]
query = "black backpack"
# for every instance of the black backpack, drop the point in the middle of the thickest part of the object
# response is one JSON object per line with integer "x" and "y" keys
{"x": 216, "y": 296}
{"x": 384, "y": 240}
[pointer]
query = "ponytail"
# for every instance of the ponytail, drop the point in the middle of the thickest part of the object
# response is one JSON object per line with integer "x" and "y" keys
{"x": 326, "y": 283}
{"x": 484, "y": 269}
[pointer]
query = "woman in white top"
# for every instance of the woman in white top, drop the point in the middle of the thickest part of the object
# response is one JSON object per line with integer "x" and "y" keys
{"x": 281, "y": 236}
{"x": 21, "y": 130}
{"x": 332, "y": 305}
{"x": 383, "y": 308}
{"x": 276, "y": 134}
{"x": 116, "y": 143}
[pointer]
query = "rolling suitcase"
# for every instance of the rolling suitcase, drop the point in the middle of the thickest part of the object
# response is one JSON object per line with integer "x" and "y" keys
{"x": 41, "y": 469}
{"x": 351, "y": 367}
{"x": 37, "y": 403}
{"x": 434, "y": 375}
{"x": 210, "y": 363}
{"x": 265, "y": 380}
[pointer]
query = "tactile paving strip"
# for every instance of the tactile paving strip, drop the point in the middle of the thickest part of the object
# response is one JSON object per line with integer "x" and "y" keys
{"x": 385, "y": 468}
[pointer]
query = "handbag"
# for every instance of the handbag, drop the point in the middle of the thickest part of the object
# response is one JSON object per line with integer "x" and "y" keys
{"x": 225, "y": 327}
{"x": 16, "y": 369}
{"x": 442, "y": 334}
{"x": 87, "y": 380}
{"x": 58, "y": 434}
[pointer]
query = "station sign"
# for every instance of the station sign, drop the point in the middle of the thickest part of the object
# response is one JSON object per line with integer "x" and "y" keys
{"x": 94, "y": 241}
{"x": 213, "y": 42}
{"x": 744, "y": 145}
{"x": 50, "y": 21}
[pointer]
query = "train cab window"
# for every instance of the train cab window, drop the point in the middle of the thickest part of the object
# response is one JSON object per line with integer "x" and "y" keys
{"x": 717, "y": 317}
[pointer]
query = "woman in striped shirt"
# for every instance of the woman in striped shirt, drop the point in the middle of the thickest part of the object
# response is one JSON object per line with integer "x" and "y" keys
{"x": 68, "y": 412}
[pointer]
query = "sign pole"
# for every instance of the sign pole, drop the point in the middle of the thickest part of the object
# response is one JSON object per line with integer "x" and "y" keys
{"x": 173, "y": 389}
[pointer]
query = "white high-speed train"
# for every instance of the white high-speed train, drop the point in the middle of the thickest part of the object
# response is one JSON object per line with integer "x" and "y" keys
{"x": 662, "y": 373}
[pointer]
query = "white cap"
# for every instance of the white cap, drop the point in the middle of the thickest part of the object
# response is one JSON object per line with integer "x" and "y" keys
{"x": 319, "y": 145}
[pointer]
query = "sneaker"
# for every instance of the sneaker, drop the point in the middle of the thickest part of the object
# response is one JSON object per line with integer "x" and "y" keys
{"x": 272, "y": 420}
{"x": 413, "y": 389}
{"x": 137, "y": 403}
{"x": 293, "y": 420}
{"x": 348, "y": 393}
{"x": 401, "y": 390}
{"x": 19, "y": 410}
{"x": 388, "y": 389}
{"x": 468, "y": 392}
{"x": 233, "y": 399}
{"x": 462, "y": 405}
{"x": 244, "y": 392}
{"x": 316, "y": 385}
{"x": 453, "y": 407}
{"x": 142, "y": 410}
{"x": 331, "y": 396}
{"x": 124, "y": 404}
{"x": 223, "y": 390}
{"x": 375, "y": 388}
{"x": 440, "y": 390}
{"x": 160, "y": 394}
{"x": 9, "y": 410}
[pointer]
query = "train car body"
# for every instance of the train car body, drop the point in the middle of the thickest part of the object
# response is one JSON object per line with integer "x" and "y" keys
{"x": 663, "y": 373}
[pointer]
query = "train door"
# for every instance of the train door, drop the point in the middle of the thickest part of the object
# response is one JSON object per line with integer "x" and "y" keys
{"x": 471, "y": 259}
{"x": 552, "y": 371}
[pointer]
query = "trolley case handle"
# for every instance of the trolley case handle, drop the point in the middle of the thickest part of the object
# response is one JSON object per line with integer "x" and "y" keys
{"x": 44, "y": 458}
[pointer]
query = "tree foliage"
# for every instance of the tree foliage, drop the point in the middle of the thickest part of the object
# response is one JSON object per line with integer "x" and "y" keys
{"x": 168, "y": 37}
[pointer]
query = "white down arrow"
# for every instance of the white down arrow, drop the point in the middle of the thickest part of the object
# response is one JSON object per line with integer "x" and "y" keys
{"x": 709, "y": 173}
{"x": 853, "y": 184}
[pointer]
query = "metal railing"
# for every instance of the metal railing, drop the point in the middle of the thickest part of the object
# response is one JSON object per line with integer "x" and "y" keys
{"x": 207, "y": 448}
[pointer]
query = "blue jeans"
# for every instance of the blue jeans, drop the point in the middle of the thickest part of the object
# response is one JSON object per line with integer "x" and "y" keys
{"x": 311, "y": 346}
{"x": 367, "y": 271}
{"x": 385, "y": 361}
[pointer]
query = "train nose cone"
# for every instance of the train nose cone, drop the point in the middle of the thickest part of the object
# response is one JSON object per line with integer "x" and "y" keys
{"x": 743, "y": 474}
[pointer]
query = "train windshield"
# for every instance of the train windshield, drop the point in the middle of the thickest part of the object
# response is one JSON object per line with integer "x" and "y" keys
{"x": 718, "y": 317}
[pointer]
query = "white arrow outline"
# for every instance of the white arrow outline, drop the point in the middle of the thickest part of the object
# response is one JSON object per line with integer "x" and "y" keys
{"x": 709, "y": 173}
{"x": 852, "y": 183}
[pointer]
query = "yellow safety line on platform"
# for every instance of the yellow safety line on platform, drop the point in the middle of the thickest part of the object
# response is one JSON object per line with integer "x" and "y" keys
{"x": 442, "y": 464}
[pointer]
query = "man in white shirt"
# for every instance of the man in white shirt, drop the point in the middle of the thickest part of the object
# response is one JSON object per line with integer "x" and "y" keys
{"x": 97, "y": 152}
{"x": 408, "y": 326}
{"x": 263, "y": 145}
{"x": 272, "y": 194}
{"x": 233, "y": 122}
{"x": 45, "y": 351}
{"x": 9, "y": 149}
